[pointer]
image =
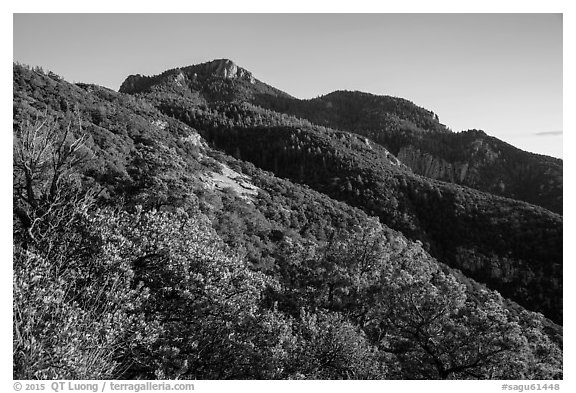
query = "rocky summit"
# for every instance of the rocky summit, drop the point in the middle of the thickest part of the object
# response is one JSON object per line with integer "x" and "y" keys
{"x": 227, "y": 69}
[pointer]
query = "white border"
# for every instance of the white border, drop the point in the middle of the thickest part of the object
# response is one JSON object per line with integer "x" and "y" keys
{"x": 259, "y": 6}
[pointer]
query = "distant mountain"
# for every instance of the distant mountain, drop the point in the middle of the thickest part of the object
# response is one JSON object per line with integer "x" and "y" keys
{"x": 189, "y": 233}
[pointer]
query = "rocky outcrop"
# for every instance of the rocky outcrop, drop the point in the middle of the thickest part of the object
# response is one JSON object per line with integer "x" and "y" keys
{"x": 227, "y": 69}
{"x": 230, "y": 179}
{"x": 433, "y": 167}
{"x": 182, "y": 77}
{"x": 490, "y": 168}
{"x": 480, "y": 156}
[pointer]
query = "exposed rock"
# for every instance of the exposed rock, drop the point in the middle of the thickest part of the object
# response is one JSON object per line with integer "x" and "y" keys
{"x": 161, "y": 124}
{"x": 227, "y": 69}
{"x": 486, "y": 168}
{"x": 231, "y": 179}
{"x": 195, "y": 139}
{"x": 180, "y": 79}
{"x": 393, "y": 160}
{"x": 433, "y": 167}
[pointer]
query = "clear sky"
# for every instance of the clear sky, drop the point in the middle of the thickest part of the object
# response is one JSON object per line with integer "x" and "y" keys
{"x": 498, "y": 72}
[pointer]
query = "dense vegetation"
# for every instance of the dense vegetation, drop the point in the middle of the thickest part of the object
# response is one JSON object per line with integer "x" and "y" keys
{"x": 130, "y": 261}
{"x": 513, "y": 247}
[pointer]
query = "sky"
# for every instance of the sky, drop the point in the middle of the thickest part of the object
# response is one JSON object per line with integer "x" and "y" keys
{"x": 501, "y": 73}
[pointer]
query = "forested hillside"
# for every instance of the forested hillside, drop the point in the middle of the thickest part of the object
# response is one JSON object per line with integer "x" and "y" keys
{"x": 514, "y": 247}
{"x": 162, "y": 235}
{"x": 416, "y": 136}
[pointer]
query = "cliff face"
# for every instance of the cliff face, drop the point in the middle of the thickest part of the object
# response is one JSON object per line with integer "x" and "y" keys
{"x": 491, "y": 169}
{"x": 416, "y": 136}
{"x": 227, "y": 69}
{"x": 479, "y": 153}
{"x": 427, "y": 165}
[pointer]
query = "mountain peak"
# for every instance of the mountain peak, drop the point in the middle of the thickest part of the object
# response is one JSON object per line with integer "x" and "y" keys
{"x": 215, "y": 80}
{"x": 227, "y": 69}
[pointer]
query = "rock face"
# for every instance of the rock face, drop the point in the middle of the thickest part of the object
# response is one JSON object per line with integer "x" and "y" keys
{"x": 427, "y": 165}
{"x": 227, "y": 69}
{"x": 230, "y": 179}
{"x": 487, "y": 167}
{"x": 480, "y": 158}
{"x": 182, "y": 77}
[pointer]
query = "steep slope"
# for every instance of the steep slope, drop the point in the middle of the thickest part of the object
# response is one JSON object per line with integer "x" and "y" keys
{"x": 477, "y": 160}
{"x": 514, "y": 247}
{"x": 143, "y": 157}
{"x": 419, "y": 140}
{"x": 309, "y": 287}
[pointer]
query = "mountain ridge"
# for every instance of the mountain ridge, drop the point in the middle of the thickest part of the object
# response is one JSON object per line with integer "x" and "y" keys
{"x": 236, "y": 222}
{"x": 411, "y": 133}
{"x": 211, "y": 79}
